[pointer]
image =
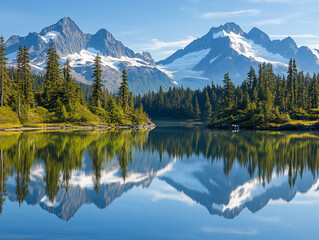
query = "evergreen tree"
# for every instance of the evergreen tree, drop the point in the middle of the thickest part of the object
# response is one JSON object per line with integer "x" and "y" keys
{"x": 28, "y": 81}
{"x": 97, "y": 96}
{"x": 228, "y": 92}
{"x": 52, "y": 79}
{"x": 112, "y": 109}
{"x": 207, "y": 107}
{"x": 197, "y": 109}
{"x": 123, "y": 92}
{"x": 3, "y": 73}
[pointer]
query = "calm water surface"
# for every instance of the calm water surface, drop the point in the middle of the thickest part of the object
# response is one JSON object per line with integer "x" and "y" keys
{"x": 169, "y": 183}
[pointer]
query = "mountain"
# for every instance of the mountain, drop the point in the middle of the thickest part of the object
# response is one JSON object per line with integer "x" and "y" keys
{"x": 228, "y": 48}
{"x": 228, "y": 195}
{"x": 81, "y": 48}
{"x": 140, "y": 173}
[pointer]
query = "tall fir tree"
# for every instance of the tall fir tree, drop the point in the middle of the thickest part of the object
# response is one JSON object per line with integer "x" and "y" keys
{"x": 52, "y": 79}
{"x": 197, "y": 109}
{"x": 228, "y": 93}
{"x": 207, "y": 107}
{"x": 123, "y": 92}
{"x": 3, "y": 73}
{"x": 97, "y": 94}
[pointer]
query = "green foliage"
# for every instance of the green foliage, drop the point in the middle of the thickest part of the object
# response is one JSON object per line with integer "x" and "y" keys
{"x": 123, "y": 93}
{"x": 52, "y": 80}
{"x": 8, "y": 118}
{"x": 57, "y": 98}
{"x": 97, "y": 96}
{"x": 261, "y": 99}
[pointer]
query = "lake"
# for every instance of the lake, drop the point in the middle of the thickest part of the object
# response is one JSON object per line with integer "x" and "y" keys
{"x": 174, "y": 182}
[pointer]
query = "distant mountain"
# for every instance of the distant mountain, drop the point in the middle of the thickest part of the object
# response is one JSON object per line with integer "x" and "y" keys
{"x": 228, "y": 48}
{"x": 227, "y": 195}
{"x": 80, "y": 48}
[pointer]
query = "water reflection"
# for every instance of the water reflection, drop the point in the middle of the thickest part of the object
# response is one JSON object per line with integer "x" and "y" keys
{"x": 223, "y": 171}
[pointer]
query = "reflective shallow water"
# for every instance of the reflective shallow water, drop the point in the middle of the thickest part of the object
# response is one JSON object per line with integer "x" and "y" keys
{"x": 168, "y": 183}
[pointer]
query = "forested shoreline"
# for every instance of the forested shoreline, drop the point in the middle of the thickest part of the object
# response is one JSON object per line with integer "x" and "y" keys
{"x": 263, "y": 98}
{"x": 56, "y": 98}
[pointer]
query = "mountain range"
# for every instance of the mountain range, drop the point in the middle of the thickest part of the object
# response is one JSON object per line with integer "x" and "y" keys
{"x": 223, "y": 49}
{"x": 80, "y": 48}
{"x": 228, "y": 48}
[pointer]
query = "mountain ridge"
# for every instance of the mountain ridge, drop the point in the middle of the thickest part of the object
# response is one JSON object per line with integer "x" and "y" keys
{"x": 80, "y": 48}
{"x": 230, "y": 49}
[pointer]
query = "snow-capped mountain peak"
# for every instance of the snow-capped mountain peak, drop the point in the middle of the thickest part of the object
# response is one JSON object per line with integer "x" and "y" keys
{"x": 229, "y": 49}
{"x": 81, "y": 48}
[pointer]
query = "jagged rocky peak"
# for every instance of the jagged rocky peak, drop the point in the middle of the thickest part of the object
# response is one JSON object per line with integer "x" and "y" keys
{"x": 228, "y": 28}
{"x": 64, "y": 26}
{"x": 258, "y": 36}
{"x": 147, "y": 57}
{"x": 105, "y": 35}
{"x": 290, "y": 42}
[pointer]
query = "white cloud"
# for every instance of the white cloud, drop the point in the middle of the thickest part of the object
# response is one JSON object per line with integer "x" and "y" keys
{"x": 274, "y": 21}
{"x": 156, "y": 44}
{"x": 248, "y": 12}
{"x": 279, "y": 20}
{"x": 162, "y": 49}
{"x": 226, "y": 230}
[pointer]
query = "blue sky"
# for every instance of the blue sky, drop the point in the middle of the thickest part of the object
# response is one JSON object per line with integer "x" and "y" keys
{"x": 163, "y": 26}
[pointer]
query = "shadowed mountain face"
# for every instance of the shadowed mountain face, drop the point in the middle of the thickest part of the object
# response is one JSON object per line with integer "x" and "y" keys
{"x": 224, "y": 172}
{"x": 228, "y": 48}
{"x": 81, "y": 48}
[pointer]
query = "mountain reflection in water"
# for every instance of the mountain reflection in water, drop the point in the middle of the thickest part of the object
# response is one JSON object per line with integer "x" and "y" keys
{"x": 223, "y": 171}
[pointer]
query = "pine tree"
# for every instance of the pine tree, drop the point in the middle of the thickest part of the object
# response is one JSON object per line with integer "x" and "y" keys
{"x": 207, "y": 107}
{"x": 28, "y": 81}
{"x": 197, "y": 109}
{"x": 97, "y": 95}
{"x": 52, "y": 79}
{"x": 23, "y": 82}
{"x": 290, "y": 86}
{"x": 246, "y": 101}
{"x": 131, "y": 102}
{"x": 123, "y": 92}
{"x": 3, "y": 72}
{"x": 228, "y": 92}
{"x": 72, "y": 94}
{"x": 112, "y": 109}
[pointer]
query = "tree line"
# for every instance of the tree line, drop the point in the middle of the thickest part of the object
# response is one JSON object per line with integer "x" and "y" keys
{"x": 57, "y": 97}
{"x": 262, "y": 97}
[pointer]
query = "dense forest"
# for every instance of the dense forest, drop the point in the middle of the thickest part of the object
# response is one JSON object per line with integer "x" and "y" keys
{"x": 263, "y": 97}
{"x": 56, "y": 97}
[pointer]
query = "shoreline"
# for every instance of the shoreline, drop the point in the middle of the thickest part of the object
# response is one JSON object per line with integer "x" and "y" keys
{"x": 284, "y": 127}
{"x": 149, "y": 126}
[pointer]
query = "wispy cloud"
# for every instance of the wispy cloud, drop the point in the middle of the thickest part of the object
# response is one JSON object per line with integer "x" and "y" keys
{"x": 274, "y": 21}
{"x": 226, "y": 230}
{"x": 161, "y": 49}
{"x": 279, "y": 20}
{"x": 248, "y": 12}
{"x": 156, "y": 44}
